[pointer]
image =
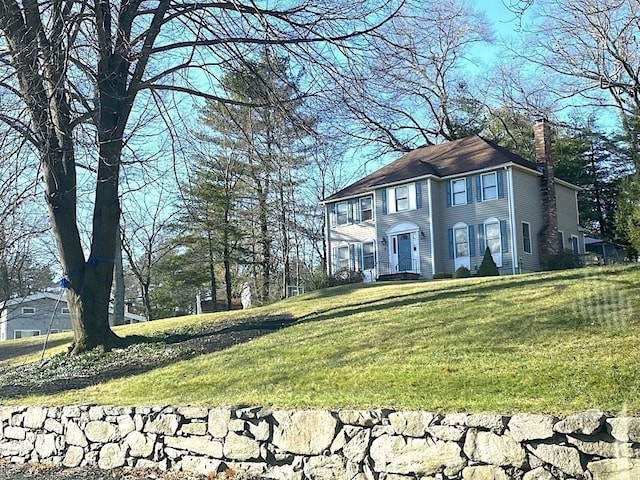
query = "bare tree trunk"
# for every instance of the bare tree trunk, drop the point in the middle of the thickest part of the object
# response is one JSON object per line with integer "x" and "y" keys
{"x": 118, "y": 284}
{"x": 212, "y": 275}
{"x": 286, "y": 266}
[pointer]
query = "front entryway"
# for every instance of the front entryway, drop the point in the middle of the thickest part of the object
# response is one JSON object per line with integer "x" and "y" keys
{"x": 404, "y": 260}
{"x": 404, "y": 252}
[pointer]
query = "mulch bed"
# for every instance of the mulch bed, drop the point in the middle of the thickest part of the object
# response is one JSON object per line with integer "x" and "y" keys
{"x": 12, "y": 471}
{"x": 62, "y": 373}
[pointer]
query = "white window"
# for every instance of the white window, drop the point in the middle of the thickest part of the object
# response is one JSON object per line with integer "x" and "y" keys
{"x": 489, "y": 186}
{"x": 459, "y": 191}
{"x": 342, "y": 258}
{"x": 402, "y": 198}
{"x": 575, "y": 245}
{"x": 366, "y": 209}
{"x": 399, "y": 199}
{"x": 25, "y": 333}
{"x": 342, "y": 213}
{"x": 64, "y": 311}
{"x": 461, "y": 236}
{"x": 368, "y": 255}
{"x": 493, "y": 240}
{"x": 526, "y": 237}
{"x": 28, "y": 310}
{"x": 561, "y": 241}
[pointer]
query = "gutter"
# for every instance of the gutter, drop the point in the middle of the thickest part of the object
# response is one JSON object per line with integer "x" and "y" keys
{"x": 514, "y": 245}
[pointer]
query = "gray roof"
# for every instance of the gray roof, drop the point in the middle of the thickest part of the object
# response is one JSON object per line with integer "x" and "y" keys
{"x": 447, "y": 159}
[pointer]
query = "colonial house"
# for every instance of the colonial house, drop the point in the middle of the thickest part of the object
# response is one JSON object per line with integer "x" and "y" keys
{"x": 437, "y": 208}
{"x": 32, "y": 315}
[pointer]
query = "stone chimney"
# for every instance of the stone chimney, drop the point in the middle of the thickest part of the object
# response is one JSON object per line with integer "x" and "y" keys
{"x": 548, "y": 236}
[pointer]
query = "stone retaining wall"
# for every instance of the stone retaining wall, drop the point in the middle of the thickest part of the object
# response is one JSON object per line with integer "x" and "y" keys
{"x": 322, "y": 445}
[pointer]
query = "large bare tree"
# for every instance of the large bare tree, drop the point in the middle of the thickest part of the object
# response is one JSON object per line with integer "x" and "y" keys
{"x": 81, "y": 68}
{"x": 592, "y": 47}
{"x": 410, "y": 81}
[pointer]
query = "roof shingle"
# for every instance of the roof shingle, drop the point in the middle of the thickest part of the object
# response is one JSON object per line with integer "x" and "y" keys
{"x": 451, "y": 158}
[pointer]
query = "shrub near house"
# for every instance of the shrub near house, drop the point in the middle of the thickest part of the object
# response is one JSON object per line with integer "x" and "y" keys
{"x": 438, "y": 208}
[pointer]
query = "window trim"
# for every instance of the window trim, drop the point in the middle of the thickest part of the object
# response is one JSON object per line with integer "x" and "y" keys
{"x": 483, "y": 187}
{"x": 561, "y": 243}
{"x": 392, "y": 198}
{"x": 453, "y": 182}
{"x": 362, "y": 210}
{"x": 524, "y": 246}
{"x": 465, "y": 227}
{"x": 347, "y": 205}
{"x": 25, "y": 330}
{"x": 403, "y": 199}
{"x": 338, "y": 248}
{"x": 65, "y": 311}
{"x": 577, "y": 244}
{"x": 372, "y": 254}
{"x": 499, "y": 253}
{"x": 28, "y": 310}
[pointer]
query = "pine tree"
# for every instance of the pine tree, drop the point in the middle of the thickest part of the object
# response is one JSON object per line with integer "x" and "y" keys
{"x": 488, "y": 267}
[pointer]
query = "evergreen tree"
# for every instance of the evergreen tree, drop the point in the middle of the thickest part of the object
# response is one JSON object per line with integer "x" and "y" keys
{"x": 488, "y": 267}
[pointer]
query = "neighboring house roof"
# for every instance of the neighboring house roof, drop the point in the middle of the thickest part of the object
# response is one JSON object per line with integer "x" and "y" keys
{"x": 56, "y": 296}
{"x": 444, "y": 160}
{"x": 31, "y": 298}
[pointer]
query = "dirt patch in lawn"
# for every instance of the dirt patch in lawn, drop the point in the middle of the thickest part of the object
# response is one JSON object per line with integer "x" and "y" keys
{"x": 62, "y": 373}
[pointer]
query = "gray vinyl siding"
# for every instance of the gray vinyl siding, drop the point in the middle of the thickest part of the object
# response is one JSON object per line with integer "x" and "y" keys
{"x": 566, "y": 199}
{"x": 39, "y": 320}
{"x": 419, "y": 216}
{"x": 474, "y": 213}
{"x": 356, "y": 232}
{"x": 528, "y": 208}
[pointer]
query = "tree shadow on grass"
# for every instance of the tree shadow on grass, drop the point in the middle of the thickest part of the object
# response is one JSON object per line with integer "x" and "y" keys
{"x": 11, "y": 350}
{"x": 141, "y": 354}
{"x": 552, "y": 320}
{"x": 145, "y": 353}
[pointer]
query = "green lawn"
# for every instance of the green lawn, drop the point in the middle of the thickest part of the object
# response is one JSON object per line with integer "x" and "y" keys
{"x": 557, "y": 343}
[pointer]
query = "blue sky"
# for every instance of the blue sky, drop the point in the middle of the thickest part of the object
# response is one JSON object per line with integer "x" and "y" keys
{"x": 504, "y": 21}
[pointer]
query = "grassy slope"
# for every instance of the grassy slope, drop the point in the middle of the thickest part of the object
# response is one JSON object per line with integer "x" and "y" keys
{"x": 554, "y": 343}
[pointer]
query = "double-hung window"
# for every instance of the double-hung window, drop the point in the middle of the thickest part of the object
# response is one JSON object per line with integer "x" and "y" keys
{"x": 366, "y": 209}
{"x": 402, "y": 198}
{"x": 526, "y": 237}
{"x": 461, "y": 238}
{"x": 489, "y": 185}
{"x": 25, "y": 333}
{"x": 574, "y": 245}
{"x": 342, "y": 213}
{"x": 459, "y": 191}
{"x": 342, "y": 258}
{"x": 492, "y": 237}
{"x": 368, "y": 255}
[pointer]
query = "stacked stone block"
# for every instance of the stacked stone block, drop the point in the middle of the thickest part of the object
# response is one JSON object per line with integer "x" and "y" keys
{"x": 326, "y": 445}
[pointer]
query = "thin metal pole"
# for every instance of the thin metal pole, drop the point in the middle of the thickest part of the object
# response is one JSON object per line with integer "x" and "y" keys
{"x": 53, "y": 315}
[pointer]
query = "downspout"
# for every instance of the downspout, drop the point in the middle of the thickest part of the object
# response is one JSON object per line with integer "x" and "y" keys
{"x": 327, "y": 230}
{"x": 374, "y": 206}
{"x": 431, "y": 241}
{"x": 512, "y": 219}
